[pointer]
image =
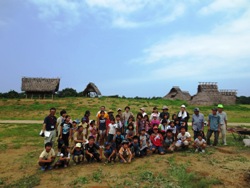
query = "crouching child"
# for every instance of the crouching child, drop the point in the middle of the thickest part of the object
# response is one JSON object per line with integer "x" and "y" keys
{"x": 78, "y": 154}
{"x": 157, "y": 141}
{"x": 109, "y": 152}
{"x": 169, "y": 142}
{"x": 91, "y": 151}
{"x": 47, "y": 157}
{"x": 184, "y": 138}
{"x": 64, "y": 159}
{"x": 143, "y": 142}
{"x": 125, "y": 154}
{"x": 135, "y": 147}
{"x": 199, "y": 144}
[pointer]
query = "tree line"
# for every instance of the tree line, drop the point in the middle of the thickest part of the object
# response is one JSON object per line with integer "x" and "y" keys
{"x": 70, "y": 92}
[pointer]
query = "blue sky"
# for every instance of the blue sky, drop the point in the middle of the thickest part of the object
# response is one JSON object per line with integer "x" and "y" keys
{"x": 126, "y": 47}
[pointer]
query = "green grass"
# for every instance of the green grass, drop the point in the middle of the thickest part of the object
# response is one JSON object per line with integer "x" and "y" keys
{"x": 25, "y": 182}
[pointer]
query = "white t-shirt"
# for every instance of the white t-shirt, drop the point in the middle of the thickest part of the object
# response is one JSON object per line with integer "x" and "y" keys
{"x": 200, "y": 142}
{"x": 183, "y": 137}
{"x": 173, "y": 129}
{"x": 112, "y": 128}
{"x": 45, "y": 155}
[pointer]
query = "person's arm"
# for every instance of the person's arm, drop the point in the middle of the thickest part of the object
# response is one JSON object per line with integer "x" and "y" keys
{"x": 130, "y": 156}
{"x": 189, "y": 139}
{"x": 70, "y": 133}
{"x": 108, "y": 128}
{"x": 61, "y": 132}
{"x": 208, "y": 123}
{"x": 100, "y": 153}
{"x": 72, "y": 151}
{"x": 121, "y": 156}
{"x": 41, "y": 160}
{"x": 112, "y": 154}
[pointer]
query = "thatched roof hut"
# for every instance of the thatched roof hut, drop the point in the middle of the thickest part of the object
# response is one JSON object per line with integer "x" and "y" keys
{"x": 40, "y": 86}
{"x": 91, "y": 90}
{"x": 177, "y": 93}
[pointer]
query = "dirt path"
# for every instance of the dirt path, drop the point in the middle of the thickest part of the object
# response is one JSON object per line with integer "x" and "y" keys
{"x": 41, "y": 121}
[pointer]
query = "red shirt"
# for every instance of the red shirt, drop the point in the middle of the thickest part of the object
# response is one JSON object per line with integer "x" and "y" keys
{"x": 156, "y": 139}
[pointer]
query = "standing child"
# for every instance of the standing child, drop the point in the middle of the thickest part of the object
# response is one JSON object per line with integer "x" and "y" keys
{"x": 143, "y": 142}
{"x": 184, "y": 138}
{"x": 109, "y": 152}
{"x": 118, "y": 122}
{"x": 78, "y": 153}
{"x": 125, "y": 154}
{"x": 173, "y": 129}
{"x": 118, "y": 139}
{"x": 47, "y": 157}
{"x": 111, "y": 130}
{"x": 102, "y": 128}
{"x": 66, "y": 131}
{"x": 130, "y": 132}
{"x": 64, "y": 157}
{"x": 157, "y": 140}
{"x": 199, "y": 144}
{"x": 93, "y": 130}
{"x": 91, "y": 150}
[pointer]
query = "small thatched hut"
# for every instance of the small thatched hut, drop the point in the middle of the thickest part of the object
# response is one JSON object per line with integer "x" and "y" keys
{"x": 177, "y": 93}
{"x": 91, "y": 90}
{"x": 40, "y": 87}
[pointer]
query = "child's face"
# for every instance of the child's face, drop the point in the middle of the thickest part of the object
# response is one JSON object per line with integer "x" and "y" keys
{"x": 125, "y": 146}
{"x": 118, "y": 118}
{"x": 74, "y": 124}
{"x": 68, "y": 149}
{"x": 112, "y": 121}
{"x": 78, "y": 149}
{"x": 199, "y": 137}
{"x": 118, "y": 133}
{"x": 130, "y": 127}
{"x": 172, "y": 124}
{"x": 169, "y": 134}
{"x": 107, "y": 147}
{"x": 142, "y": 132}
{"x": 68, "y": 119}
{"x": 183, "y": 131}
{"x": 135, "y": 140}
{"x": 48, "y": 148}
{"x": 102, "y": 114}
{"x": 155, "y": 130}
{"x": 91, "y": 141}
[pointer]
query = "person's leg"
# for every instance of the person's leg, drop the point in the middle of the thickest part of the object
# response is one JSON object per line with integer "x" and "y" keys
{"x": 216, "y": 137}
{"x": 178, "y": 144}
{"x": 110, "y": 137}
{"x": 97, "y": 157}
{"x": 153, "y": 148}
{"x": 76, "y": 158}
{"x": 81, "y": 158}
{"x": 161, "y": 150}
{"x": 223, "y": 134}
{"x": 209, "y": 134}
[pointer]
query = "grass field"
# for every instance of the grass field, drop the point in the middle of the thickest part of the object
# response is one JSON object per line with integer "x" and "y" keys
{"x": 27, "y": 109}
{"x": 20, "y": 147}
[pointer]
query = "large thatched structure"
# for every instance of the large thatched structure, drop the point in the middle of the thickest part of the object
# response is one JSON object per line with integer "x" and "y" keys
{"x": 40, "y": 87}
{"x": 91, "y": 90}
{"x": 208, "y": 94}
{"x": 177, "y": 93}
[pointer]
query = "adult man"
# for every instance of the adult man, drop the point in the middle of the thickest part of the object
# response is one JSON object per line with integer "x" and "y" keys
{"x": 197, "y": 122}
{"x": 223, "y": 122}
{"x": 126, "y": 115}
{"x": 183, "y": 117}
{"x": 213, "y": 126}
{"x": 79, "y": 136}
{"x": 49, "y": 127}
{"x": 164, "y": 112}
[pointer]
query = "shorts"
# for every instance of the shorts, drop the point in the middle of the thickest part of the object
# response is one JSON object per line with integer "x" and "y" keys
{"x": 102, "y": 132}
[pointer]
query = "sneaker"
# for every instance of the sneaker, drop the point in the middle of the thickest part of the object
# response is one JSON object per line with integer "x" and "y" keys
{"x": 50, "y": 167}
{"x": 65, "y": 166}
{"x": 196, "y": 150}
{"x": 58, "y": 154}
{"x": 203, "y": 151}
{"x": 42, "y": 168}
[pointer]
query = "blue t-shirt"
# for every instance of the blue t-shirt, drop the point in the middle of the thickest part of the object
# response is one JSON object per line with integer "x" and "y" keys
{"x": 214, "y": 121}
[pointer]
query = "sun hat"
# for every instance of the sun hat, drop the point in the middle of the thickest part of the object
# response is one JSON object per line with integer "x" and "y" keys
{"x": 183, "y": 106}
{"x": 143, "y": 109}
{"x": 119, "y": 109}
{"x": 110, "y": 111}
{"x": 164, "y": 108}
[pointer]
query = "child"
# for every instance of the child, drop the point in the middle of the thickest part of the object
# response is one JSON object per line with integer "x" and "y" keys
{"x": 135, "y": 147}
{"x": 111, "y": 130}
{"x": 119, "y": 122}
{"x": 78, "y": 153}
{"x": 169, "y": 141}
{"x": 65, "y": 133}
{"x": 143, "y": 142}
{"x": 102, "y": 128}
{"x": 91, "y": 150}
{"x": 163, "y": 127}
{"x": 109, "y": 152}
{"x": 118, "y": 139}
{"x": 93, "y": 130}
{"x": 47, "y": 157}
{"x": 130, "y": 131}
{"x": 64, "y": 157}
{"x": 184, "y": 138}
{"x": 199, "y": 144}
{"x": 155, "y": 120}
{"x": 171, "y": 126}
{"x": 157, "y": 140}
{"x": 140, "y": 123}
{"x": 124, "y": 153}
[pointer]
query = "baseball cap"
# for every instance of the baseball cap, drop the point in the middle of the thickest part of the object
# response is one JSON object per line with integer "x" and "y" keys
{"x": 220, "y": 106}
{"x": 196, "y": 110}
{"x": 106, "y": 144}
{"x": 183, "y": 106}
{"x": 164, "y": 108}
{"x": 78, "y": 145}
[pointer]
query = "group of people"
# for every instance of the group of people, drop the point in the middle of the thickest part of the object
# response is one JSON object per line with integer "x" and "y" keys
{"x": 125, "y": 136}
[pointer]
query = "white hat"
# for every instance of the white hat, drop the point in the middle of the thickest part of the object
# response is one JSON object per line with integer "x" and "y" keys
{"x": 143, "y": 109}
{"x": 183, "y": 106}
{"x": 164, "y": 108}
{"x": 155, "y": 115}
{"x": 78, "y": 145}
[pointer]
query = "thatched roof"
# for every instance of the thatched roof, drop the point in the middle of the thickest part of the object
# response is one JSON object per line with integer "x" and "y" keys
{"x": 177, "y": 93}
{"x": 40, "y": 84}
{"x": 91, "y": 87}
